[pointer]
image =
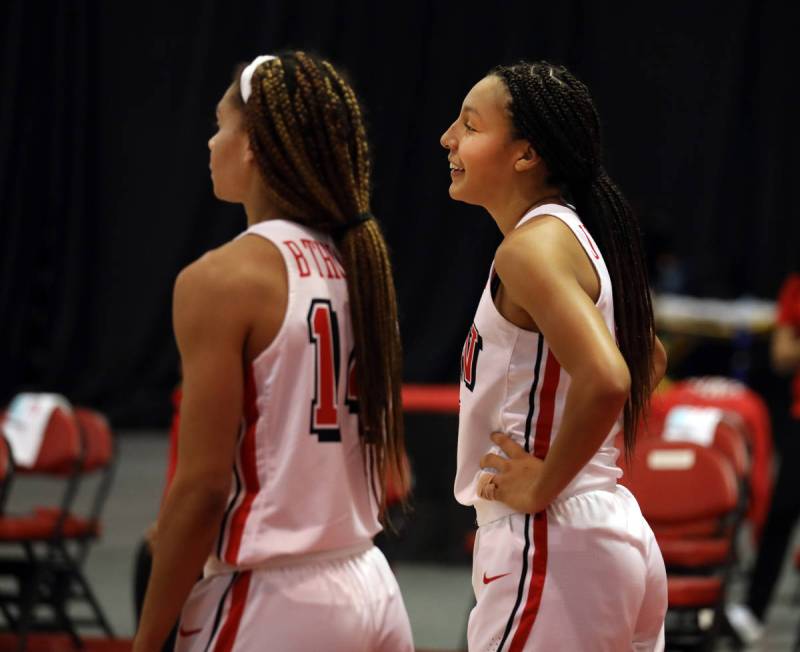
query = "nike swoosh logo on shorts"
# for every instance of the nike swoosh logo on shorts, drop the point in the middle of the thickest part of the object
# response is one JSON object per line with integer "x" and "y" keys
{"x": 487, "y": 580}
{"x": 189, "y": 632}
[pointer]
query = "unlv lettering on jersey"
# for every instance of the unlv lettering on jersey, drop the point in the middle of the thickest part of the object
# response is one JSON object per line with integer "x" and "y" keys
{"x": 469, "y": 357}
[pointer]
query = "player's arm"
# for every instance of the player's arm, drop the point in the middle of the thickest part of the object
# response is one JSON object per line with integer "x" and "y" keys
{"x": 659, "y": 364}
{"x": 785, "y": 349}
{"x": 537, "y": 269}
{"x": 210, "y": 327}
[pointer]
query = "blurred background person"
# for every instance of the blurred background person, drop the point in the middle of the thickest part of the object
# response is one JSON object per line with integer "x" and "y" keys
{"x": 748, "y": 619}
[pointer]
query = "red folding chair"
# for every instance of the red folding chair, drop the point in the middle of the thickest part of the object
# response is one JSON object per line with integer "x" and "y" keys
{"x": 679, "y": 485}
{"x": 98, "y": 460}
{"x": 79, "y": 530}
{"x": 730, "y": 438}
{"x": 49, "y": 572}
{"x": 731, "y": 396}
{"x": 60, "y": 456}
{"x": 693, "y": 543}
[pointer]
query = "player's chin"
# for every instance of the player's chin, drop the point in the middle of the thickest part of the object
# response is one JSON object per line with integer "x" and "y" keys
{"x": 215, "y": 187}
{"x": 456, "y": 190}
{"x": 459, "y": 193}
{"x": 222, "y": 193}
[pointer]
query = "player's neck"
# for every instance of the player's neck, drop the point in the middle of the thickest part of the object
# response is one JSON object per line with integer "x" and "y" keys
{"x": 516, "y": 204}
{"x": 258, "y": 208}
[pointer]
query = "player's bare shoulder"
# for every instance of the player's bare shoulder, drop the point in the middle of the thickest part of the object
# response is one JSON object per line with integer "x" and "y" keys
{"x": 545, "y": 248}
{"x": 540, "y": 246}
{"x": 238, "y": 268}
{"x": 240, "y": 282}
{"x": 259, "y": 264}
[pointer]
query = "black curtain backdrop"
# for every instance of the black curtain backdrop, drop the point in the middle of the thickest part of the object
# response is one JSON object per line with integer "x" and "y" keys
{"x": 105, "y": 194}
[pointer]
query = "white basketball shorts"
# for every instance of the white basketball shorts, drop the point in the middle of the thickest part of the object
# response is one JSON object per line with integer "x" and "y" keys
{"x": 350, "y": 604}
{"x": 585, "y": 575}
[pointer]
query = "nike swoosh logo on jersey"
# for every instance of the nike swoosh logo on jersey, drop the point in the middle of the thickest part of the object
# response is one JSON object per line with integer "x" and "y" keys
{"x": 487, "y": 580}
{"x": 189, "y": 632}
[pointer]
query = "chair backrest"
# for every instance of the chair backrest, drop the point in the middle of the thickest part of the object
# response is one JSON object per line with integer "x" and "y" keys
{"x": 720, "y": 429}
{"x": 97, "y": 439}
{"x": 730, "y": 441}
{"x": 678, "y": 482}
{"x": 99, "y": 456}
{"x": 735, "y": 397}
{"x": 61, "y": 450}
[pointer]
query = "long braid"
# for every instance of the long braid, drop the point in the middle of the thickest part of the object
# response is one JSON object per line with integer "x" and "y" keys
{"x": 307, "y": 132}
{"x": 554, "y": 111}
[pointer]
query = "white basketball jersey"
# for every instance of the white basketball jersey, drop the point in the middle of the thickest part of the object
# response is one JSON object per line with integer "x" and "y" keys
{"x": 299, "y": 482}
{"x": 511, "y": 382}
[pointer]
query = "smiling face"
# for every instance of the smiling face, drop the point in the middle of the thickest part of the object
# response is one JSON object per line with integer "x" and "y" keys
{"x": 483, "y": 155}
{"x": 230, "y": 157}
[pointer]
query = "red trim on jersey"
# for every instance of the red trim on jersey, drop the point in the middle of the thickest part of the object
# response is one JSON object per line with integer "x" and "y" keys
{"x": 247, "y": 457}
{"x": 536, "y": 588}
{"x": 547, "y": 404}
{"x": 541, "y": 444}
{"x": 589, "y": 240}
{"x": 227, "y": 635}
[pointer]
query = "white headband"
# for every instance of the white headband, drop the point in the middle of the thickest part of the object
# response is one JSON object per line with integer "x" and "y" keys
{"x": 247, "y": 74}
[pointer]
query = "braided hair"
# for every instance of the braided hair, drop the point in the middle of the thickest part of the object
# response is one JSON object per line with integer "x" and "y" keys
{"x": 307, "y": 133}
{"x": 552, "y": 109}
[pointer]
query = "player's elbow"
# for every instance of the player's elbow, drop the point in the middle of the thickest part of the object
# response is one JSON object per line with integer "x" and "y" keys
{"x": 215, "y": 493}
{"x": 207, "y": 493}
{"x": 659, "y": 364}
{"x": 611, "y": 386}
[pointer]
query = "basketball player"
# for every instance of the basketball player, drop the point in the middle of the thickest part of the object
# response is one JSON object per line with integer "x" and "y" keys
{"x": 561, "y": 355}
{"x": 291, "y": 376}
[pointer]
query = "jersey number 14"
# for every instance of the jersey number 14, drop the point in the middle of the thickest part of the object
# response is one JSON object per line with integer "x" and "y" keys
{"x": 323, "y": 333}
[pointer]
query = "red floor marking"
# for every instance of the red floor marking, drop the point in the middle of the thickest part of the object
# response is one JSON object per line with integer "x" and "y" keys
{"x": 62, "y": 643}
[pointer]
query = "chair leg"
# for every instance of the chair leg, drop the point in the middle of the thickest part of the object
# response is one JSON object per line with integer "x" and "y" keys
{"x": 59, "y": 597}
{"x": 28, "y": 598}
{"x": 11, "y": 621}
{"x": 92, "y": 600}
{"x": 66, "y": 624}
{"x": 714, "y": 633}
{"x": 101, "y": 617}
{"x": 73, "y": 572}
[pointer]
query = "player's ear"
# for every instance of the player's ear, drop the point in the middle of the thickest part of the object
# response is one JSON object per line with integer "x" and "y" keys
{"x": 247, "y": 154}
{"x": 527, "y": 157}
